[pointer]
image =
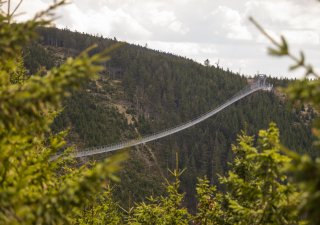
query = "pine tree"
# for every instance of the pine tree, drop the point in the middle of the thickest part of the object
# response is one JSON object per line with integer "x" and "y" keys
{"x": 33, "y": 188}
{"x": 257, "y": 191}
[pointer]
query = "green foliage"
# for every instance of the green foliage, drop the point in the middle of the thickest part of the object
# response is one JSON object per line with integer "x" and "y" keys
{"x": 94, "y": 121}
{"x": 18, "y": 75}
{"x": 257, "y": 189}
{"x": 208, "y": 209}
{"x": 305, "y": 170}
{"x": 163, "y": 210}
{"x": 34, "y": 190}
{"x": 36, "y": 57}
{"x": 282, "y": 48}
{"x": 102, "y": 210}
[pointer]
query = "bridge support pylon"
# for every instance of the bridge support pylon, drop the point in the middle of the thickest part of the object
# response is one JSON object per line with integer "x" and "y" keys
{"x": 261, "y": 81}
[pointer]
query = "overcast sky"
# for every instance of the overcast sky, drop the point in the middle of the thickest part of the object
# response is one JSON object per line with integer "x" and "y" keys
{"x": 217, "y": 30}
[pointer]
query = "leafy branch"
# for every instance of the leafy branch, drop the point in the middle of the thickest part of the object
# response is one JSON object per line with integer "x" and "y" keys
{"x": 281, "y": 48}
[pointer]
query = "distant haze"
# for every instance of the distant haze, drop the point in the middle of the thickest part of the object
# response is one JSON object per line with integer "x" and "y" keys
{"x": 217, "y": 30}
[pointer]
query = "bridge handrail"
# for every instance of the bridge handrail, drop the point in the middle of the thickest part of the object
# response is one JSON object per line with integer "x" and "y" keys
{"x": 156, "y": 135}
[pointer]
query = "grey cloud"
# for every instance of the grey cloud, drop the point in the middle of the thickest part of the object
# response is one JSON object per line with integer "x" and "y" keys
{"x": 200, "y": 29}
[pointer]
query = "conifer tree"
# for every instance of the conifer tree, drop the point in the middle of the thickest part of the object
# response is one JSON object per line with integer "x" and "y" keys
{"x": 257, "y": 191}
{"x": 33, "y": 188}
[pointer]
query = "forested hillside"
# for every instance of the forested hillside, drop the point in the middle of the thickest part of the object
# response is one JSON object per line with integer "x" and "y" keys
{"x": 142, "y": 91}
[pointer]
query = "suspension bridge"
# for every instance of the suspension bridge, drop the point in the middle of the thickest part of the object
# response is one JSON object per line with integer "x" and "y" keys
{"x": 258, "y": 84}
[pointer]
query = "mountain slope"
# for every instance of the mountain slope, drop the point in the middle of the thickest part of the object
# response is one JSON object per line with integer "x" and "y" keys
{"x": 142, "y": 91}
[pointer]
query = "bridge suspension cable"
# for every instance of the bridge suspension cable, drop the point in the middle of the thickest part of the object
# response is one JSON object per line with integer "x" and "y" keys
{"x": 259, "y": 84}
